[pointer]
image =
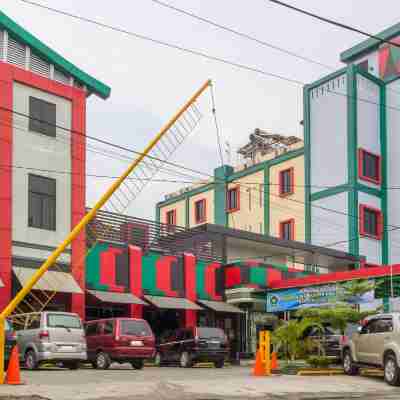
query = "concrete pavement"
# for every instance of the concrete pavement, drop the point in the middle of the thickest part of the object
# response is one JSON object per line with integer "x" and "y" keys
{"x": 169, "y": 383}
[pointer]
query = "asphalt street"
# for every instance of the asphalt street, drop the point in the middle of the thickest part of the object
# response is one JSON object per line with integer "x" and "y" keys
{"x": 169, "y": 383}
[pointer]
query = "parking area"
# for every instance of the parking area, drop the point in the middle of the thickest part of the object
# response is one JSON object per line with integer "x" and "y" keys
{"x": 169, "y": 383}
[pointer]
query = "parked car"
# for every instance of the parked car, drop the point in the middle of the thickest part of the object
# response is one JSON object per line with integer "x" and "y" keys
{"x": 120, "y": 340}
{"x": 375, "y": 344}
{"x": 51, "y": 336}
{"x": 10, "y": 342}
{"x": 329, "y": 339}
{"x": 191, "y": 345}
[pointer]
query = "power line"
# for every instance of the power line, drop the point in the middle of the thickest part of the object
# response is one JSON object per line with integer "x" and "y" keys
{"x": 165, "y": 44}
{"x": 241, "y": 34}
{"x": 332, "y": 22}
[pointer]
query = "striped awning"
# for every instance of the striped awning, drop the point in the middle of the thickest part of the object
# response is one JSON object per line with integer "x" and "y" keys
{"x": 177, "y": 303}
{"x": 56, "y": 281}
{"x": 220, "y": 306}
{"x": 114, "y": 297}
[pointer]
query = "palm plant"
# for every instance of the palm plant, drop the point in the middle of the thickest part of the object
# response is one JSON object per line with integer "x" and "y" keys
{"x": 290, "y": 337}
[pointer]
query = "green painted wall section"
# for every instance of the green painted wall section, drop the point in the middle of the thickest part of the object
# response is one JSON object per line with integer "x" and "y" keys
{"x": 307, "y": 161}
{"x": 201, "y": 267}
{"x": 258, "y": 276}
{"x": 267, "y": 189}
{"x": 220, "y": 178}
{"x": 93, "y": 266}
{"x": 353, "y": 217}
{"x": 149, "y": 274}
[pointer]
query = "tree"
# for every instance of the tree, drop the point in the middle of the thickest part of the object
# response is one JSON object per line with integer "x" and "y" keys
{"x": 353, "y": 290}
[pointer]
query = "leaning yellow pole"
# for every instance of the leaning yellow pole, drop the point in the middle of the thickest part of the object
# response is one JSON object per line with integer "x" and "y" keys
{"x": 84, "y": 221}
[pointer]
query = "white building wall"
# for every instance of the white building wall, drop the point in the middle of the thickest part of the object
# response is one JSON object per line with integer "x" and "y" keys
{"x": 393, "y": 167}
{"x": 368, "y": 118}
{"x": 368, "y": 247}
{"x": 329, "y": 227}
{"x": 34, "y": 150}
{"x": 328, "y": 134}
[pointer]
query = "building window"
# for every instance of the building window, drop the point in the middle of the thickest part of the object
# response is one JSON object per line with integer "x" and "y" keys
{"x": 286, "y": 182}
{"x": 371, "y": 222}
{"x": 170, "y": 217}
{"x": 42, "y": 117}
{"x": 286, "y": 229}
{"x": 369, "y": 166}
{"x": 200, "y": 211}
{"x": 233, "y": 199}
{"x": 42, "y": 203}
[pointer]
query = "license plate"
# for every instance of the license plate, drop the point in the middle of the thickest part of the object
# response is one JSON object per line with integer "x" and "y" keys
{"x": 66, "y": 348}
{"x": 136, "y": 343}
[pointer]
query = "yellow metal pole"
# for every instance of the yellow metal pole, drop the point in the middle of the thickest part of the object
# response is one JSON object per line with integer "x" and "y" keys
{"x": 267, "y": 354}
{"x": 90, "y": 215}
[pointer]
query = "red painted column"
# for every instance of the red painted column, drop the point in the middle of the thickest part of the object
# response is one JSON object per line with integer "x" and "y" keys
{"x": 189, "y": 265}
{"x": 210, "y": 281}
{"x": 6, "y": 140}
{"x": 163, "y": 279}
{"x": 135, "y": 278}
{"x": 78, "y": 201}
{"x": 108, "y": 269}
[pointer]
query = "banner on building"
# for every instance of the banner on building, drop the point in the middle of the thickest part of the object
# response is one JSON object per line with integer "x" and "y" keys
{"x": 313, "y": 296}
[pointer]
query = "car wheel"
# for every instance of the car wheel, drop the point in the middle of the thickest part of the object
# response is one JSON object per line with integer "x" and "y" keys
{"x": 102, "y": 360}
{"x": 391, "y": 370}
{"x": 157, "y": 360}
{"x": 71, "y": 364}
{"x": 185, "y": 360}
{"x": 348, "y": 365}
{"x": 219, "y": 364}
{"x": 31, "y": 362}
{"x": 137, "y": 364}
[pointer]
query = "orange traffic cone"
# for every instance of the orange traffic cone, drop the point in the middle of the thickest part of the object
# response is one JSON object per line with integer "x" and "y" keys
{"x": 13, "y": 376}
{"x": 274, "y": 361}
{"x": 259, "y": 368}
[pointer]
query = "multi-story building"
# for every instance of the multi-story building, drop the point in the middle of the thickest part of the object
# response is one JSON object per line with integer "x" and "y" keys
{"x": 351, "y": 125}
{"x": 264, "y": 194}
{"x": 42, "y": 131}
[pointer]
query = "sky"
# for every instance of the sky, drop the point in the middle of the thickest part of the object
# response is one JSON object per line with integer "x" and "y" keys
{"x": 150, "y": 82}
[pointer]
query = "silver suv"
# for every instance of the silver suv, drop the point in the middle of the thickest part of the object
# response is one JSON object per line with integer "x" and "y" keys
{"x": 375, "y": 344}
{"x": 51, "y": 336}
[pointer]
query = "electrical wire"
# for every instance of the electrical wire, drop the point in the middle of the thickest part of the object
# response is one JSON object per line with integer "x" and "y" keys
{"x": 242, "y": 34}
{"x": 332, "y": 22}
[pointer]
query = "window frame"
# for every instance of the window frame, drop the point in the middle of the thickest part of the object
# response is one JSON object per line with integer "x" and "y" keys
{"x": 291, "y": 222}
{"x": 363, "y": 232}
{"x": 52, "y": 227}
{"x": 281, "y": 185}
{"x": 237, "y": 190}
{"x": 361, "y": 155}
{"x": 40, "y": 125}
{"x": 197, "y": 219}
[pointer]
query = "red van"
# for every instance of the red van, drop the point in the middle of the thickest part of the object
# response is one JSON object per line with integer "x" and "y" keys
{"x": 119, "y": 340}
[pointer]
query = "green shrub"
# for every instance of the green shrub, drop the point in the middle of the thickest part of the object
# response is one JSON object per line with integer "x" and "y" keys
{"x": 318, "y": 362}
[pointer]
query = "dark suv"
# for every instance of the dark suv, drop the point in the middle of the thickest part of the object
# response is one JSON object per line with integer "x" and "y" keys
{"x": 120, "y": 340}
{"x": 191, "y": 345}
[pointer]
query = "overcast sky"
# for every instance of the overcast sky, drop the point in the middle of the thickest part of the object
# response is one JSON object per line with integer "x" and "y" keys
{"x": 150, "y": 82}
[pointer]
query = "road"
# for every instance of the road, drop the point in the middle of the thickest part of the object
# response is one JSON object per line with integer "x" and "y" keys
{"x": 168, "y": 383}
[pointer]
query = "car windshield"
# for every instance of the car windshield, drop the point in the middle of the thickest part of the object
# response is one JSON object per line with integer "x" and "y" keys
{"x": 63, "y": 321}
{"x": 134, "y": 328}
{"x": 210, "y": 333}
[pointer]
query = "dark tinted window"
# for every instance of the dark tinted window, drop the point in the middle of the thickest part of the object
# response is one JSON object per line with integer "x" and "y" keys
{"x": 33, "y": 323}
{"x": 91, "y": 329}
{"x": 384, "y": 325}
{"x": 371, "y": 222}
{"x": 286, "y": 231}
{"x": 286, "y": 181}
{"x": 42, "y": 202}
{"x": 134, "y": 328}
{"x": 108, "y": 327}
{"x": 200, "y": 210}
{"x": 233, "y": 199}
{"x": 210, "y": 333}
{"x": 42, "y": 116}
{"x": 370, "y": 166}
